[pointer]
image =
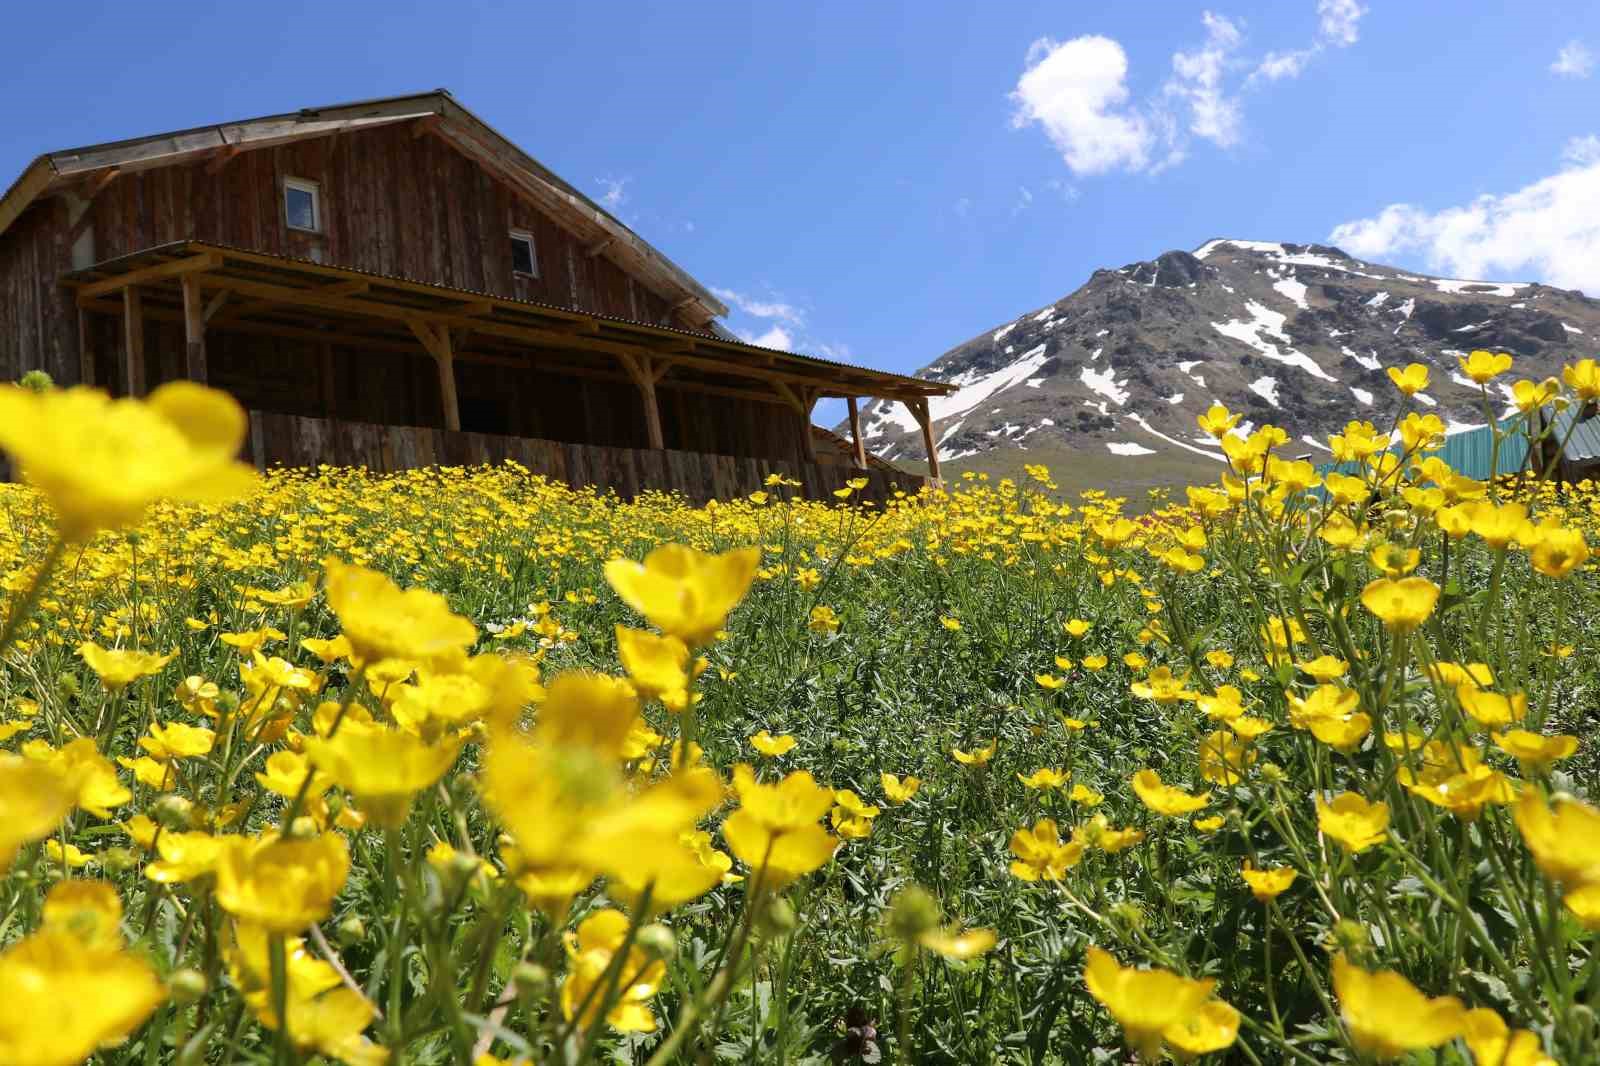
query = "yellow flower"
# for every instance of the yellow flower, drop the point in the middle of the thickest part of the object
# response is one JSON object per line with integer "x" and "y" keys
{"x": 1097, "y": 832}
{"x": 1162, "y": 687}
{"x": 1529, "y": 396}
{"x": 852, "y": 817}
{"x": 1565, "y": 841}
{"x": 952, "y": 624}
{"x": 69, "y": 855}
{"x": 683, "y": 592}
{"x": 1492, "y": 1042}
{"x": 1209, "y": 825}
{"x": 1048, "y": 682}
{"x": 1226, "y": 705}
{"x": 1166, "y": 799}
{"x": 1075, "y": 627}
{"x": 823, "y": 619}
{"x": 66, "y": 996}
{"x": 1093, "y": 663}
{"x": 1412, "y": 380}
{"x": 252, "y": 640}
{"x": 1583, "y": 377}
{"x": 1044, "y": 779}
{"x": 382, "y": 622}
{"x": 1325, "y": 668}
{"x": 175, "y": 740}
{"x": 1464, "y": 792}
{"x": 1533, "y": 751}
{"x": 1490, "y": 708}
{"x": 1558, "y": 551}
{"x": 1134, "y": 661}
{"x": 590, "y": 953}
{"x": 958, "y": 944}
{"x": 1353, "y": 822}
{"x": 1086, "y": 796}
{"x": 382, "y": 768}
{"x": 95, "y": 779}
{"x": 1401, "y": 605}
{"x": 1267, "y": 884}
{"x": 977, "y": 756}
{"x": 101, "y": 461}
{"x": 118, "y": 668}
{"x": 34, "y": 798}
{"x": 282, "y": 885}
{"x": 1217, "y": 421}
{"x": 658, "y": 666}
{"x": 775, "y": 831}
{"x": 1041, "y": 854}
{"x": 1498, "y": 524}
{"x": 1213, "y": 1027}
{"x": 1223, "y": 758}
{"x": 1387, "y": 1016}
{"x": 771, "y": 746}
{"x": 1483, "y": 367}
{"x": 1144, "y": 1002}
{"x": 88, "y": 910}
{"x": 186, "y": 856}
{"x": 898, "y": 790}
{"x": 1222, "y": 660}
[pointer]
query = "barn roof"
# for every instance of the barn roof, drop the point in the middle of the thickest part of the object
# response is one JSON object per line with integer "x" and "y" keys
{"x": 1581, "y": 434}
{"x": 437, "y": 111}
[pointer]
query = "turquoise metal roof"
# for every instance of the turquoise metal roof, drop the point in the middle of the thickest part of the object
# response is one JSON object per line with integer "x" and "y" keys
{"x": 1469, "y": 452}
{"x": 1583, "y": 446}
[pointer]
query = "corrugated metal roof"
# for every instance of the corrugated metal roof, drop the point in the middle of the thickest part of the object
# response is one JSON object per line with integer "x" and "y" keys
{"x": 1583, "y": 445}
{"x": 1469, "y": 453}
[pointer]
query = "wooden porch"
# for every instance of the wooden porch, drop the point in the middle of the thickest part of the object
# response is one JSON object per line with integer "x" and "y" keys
{"x": 340, "y": 365}
{"x": 290, "y": 440}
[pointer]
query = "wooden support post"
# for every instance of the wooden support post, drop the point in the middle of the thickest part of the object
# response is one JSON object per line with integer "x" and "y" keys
{"x": 194, "y": 330}
{"x": 436, "y": 339}
{"x": 644, "y": 376}
{"x": 808, "y": 439}
{"x": 919, "y": 411}
{"x": 446, "y": 359}
{"x": 133, "y": 341}
{"x": 85, "y": 350}
{"x": 855, "y": 432}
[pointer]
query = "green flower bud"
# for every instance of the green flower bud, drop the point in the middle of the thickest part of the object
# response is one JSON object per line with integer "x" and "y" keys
{"x": 186, "y": 986}
{"x": 351, "y": 931}
{"x": 776, "y": 917}
{"x": 173, "y": 812}
{"x": 657, "y": 940}
{"x": 912, "y": 912}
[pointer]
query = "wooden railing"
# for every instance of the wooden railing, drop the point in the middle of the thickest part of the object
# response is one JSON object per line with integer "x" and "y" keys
{"x": 291, "y": 440}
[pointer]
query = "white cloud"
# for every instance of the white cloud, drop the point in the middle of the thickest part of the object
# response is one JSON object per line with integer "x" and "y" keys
{"x": 1077, "y": 91}
{"x": 1338, "y": 26}
{"x": 1197, "y": 79}
{"x": 1581, "y": 151}
{"x": 774, "y": 337}
{"x": 1547, "y": 231}
{"x": 616, "y": 192}
{"x": 760, "y": 308}
{"x": 1024, "y": 200}
{"x": 1575, "y": 60}
{"x": 1338, "y": 22}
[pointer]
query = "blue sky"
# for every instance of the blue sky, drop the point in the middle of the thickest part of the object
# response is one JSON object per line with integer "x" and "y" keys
{"x": 881, "y": 181}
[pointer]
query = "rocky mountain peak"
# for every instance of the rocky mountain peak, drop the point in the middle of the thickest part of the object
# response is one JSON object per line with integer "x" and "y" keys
{"x": 1293, "y": 334}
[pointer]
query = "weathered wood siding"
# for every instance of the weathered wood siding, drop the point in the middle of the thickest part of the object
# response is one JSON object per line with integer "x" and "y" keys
{"x": 393, "y": 203}
{"x": 288, "y": 440}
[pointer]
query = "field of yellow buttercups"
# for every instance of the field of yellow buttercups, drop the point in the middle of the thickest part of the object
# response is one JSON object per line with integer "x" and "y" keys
{"x": 460, "y": 766}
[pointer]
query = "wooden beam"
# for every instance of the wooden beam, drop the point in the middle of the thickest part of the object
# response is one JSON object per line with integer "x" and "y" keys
{"x": 855, "y": 432}
{"x": 133, "y": 341}
{"x": 597, "y": 247}
{"x": 643, "y": 375}
{"x": 787, "y": 395}
{"x": 919, "y": 411}
{"x": 85, "y": 350}
{"x": 194, "y": 329}
{"x": 91, "y": 189}
{"x": 424, "y": 126}
{"x": 221, "y": 158}
{"x": 215, "y": 304}
{"x": 436, "y": 339}
{"x": 171, "y": 269}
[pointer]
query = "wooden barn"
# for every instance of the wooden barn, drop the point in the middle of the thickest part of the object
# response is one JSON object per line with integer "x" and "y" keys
{"x": 392, "y": 283}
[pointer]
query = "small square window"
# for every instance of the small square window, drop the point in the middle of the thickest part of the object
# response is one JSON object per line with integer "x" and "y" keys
{"x": 302, "y": 205}
{"x": 523, "y": 261}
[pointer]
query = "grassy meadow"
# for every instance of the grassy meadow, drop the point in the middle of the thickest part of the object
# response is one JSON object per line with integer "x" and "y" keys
{"x": 461, "y": 766}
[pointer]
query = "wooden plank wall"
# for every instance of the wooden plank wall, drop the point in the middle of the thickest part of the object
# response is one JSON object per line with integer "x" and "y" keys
{"x": 393, "y": 203}
{"x": 289, "y": 440}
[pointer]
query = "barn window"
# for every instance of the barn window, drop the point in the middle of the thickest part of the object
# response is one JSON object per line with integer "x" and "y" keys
{"x": 302, "y": 204}
{"x": 523, "y": 261}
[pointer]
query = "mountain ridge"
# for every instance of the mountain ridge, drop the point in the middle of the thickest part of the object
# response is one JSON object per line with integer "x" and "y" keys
{"x": 1294, "y": 334}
